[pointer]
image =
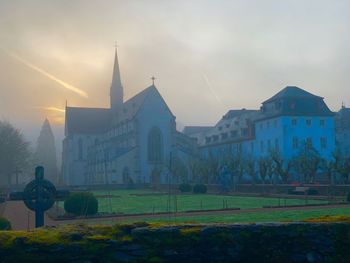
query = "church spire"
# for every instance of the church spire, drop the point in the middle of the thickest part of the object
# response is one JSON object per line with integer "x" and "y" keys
{"x": 116, "y": 93}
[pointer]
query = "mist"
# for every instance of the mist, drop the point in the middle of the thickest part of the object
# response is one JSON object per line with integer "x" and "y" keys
{"x": 207, "y": 56}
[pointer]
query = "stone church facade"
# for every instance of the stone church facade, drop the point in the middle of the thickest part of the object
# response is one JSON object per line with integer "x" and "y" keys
{"x": 133, "y": 141}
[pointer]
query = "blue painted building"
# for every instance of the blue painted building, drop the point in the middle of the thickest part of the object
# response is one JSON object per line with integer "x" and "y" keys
{"x": 285, "y": 123}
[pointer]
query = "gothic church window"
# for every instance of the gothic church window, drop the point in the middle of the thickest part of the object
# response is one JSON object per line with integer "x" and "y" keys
{"x": 155, "y": 146}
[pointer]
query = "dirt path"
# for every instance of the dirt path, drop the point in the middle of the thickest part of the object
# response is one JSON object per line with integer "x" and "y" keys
{"x": 23, "y": 219}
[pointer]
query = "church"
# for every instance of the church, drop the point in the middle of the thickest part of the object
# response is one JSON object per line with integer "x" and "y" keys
{"x": 132, "y": 141}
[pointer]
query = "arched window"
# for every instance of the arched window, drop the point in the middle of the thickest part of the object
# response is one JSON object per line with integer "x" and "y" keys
{"x": 155, "y": 146}
{"x": 80, "y": 149}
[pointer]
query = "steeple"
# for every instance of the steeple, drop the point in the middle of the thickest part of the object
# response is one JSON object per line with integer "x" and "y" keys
{"x": 116, "y": 93}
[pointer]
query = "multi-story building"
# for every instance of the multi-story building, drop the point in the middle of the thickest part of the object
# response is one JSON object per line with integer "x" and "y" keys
{"x": 284, "y": 123}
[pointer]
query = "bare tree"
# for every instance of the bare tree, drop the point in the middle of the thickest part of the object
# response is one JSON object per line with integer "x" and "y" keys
{"x": 209, "y": 169}
{"x": 308, "y": 162}
{"x": 282, "y": 167}
{"x": 250, "y": 167}
{"x": 235, "y": 165}
{"x": 14, "y": 151}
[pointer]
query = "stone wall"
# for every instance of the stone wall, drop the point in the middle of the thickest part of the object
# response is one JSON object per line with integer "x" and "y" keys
{"x": 141, "y": 242}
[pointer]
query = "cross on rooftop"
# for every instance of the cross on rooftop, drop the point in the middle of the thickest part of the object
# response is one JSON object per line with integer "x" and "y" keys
{"x": 153, "y": 78}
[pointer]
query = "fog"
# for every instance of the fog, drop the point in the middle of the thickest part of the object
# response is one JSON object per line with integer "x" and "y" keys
{"x": 207, "y": 56}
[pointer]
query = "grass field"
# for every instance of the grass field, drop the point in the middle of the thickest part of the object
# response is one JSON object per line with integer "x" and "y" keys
{"x": 141, "y": 201}
{"x": 273, "y": 216}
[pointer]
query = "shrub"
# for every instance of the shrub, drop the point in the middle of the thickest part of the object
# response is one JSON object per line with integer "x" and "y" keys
{"x": 185, "y": 188}
{"x": 81, "y": 204}
{"x": 200, "y": 189}
{"x": 4, "y": 224}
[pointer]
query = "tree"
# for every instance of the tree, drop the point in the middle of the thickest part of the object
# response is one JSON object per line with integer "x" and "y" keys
{"x": 282, "y": 167}
{"x": 308, "y": 163}
{"x": 250, "y": 167}
{"x": 194, "y": 166}
{"x": 14, "y": 151}
{"x": 263, "y": 169}
{"x": 209, "y": 169}
{"x": 235, "y": 165}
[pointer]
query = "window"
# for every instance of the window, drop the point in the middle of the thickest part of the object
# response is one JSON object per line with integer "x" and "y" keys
{"x": 323, "y": 142}
{"x": 322, "y": 123}
{"x": 292, "y": 105}
{"x": 294, "y": 122}
{"x": 275, "y": 123}
{"x": 207, "y": 139}
{"x": 234, "y": 134}
{"x": 269, "y": 145}
{"x": 308, "y": 122}
{"x": 267, "y": 124}
{"x": 261, "y": 126}
{"x": 224, "y": 136}
{"x": 155, "y": 146}
{"x": 220, "y": 128}
{"x": 295, "y": 143}
{"x": 215, "y": 138}
{"x": 261, "y": 146}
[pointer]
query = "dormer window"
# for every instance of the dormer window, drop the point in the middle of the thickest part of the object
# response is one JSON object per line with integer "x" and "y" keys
{"x": 292, "y": 105}
{"x": 220, "y": 128}
{"x": 308, "y": 122}
{"x": 224, "y": 136}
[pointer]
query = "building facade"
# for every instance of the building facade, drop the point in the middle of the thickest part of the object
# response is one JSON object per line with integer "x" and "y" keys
{"x": 284, "y": 124}
{"x": 130, "y": 142}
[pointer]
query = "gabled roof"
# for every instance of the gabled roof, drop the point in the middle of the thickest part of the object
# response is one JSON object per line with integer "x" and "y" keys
{"x": 87, "y": 120}
{"x": 133, "y": 105}
{"x": 291, "y": 92}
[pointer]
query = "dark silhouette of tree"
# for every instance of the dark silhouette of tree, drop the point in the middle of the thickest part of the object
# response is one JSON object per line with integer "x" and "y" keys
{"x": 250, "y": 168}
{"x": 14, "y": 151}
{"x": 235, "y": 164}
{"x": 209, "y": 169}
{"x": 263, "y": 168}
{"x": 282, "y": 167}
{"x": 308, "y": 162}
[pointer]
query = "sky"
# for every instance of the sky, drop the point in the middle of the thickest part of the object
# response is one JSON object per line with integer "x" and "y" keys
{"x": 207, "y": 56}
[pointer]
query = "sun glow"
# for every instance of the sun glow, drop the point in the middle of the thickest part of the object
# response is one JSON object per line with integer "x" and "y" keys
{"x": 46, "y": 74}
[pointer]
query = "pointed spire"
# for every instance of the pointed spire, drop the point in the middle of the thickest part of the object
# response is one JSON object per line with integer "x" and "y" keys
{"x": 116, "y": 93}
{"x": 116, "y": 73}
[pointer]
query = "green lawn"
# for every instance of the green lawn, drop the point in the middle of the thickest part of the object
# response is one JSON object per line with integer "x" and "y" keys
{"x": 143, "y": 201}
{"x": 273, "y": 216}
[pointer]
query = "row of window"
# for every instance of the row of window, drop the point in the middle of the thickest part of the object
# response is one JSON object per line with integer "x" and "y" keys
{"x": 294, "y": 122}
{"x": 296, "y": 143}
{"x": 308, "y": 122}
{"x": 309, "y": 142}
